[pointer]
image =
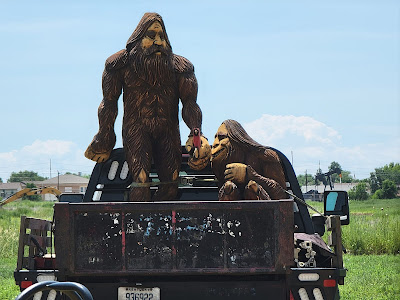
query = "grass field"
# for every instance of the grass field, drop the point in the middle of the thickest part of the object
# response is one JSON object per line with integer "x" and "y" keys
{"x": 372, "y": 241}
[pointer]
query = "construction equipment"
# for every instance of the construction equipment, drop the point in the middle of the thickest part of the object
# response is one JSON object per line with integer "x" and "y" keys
{"x": 30, "y": 192}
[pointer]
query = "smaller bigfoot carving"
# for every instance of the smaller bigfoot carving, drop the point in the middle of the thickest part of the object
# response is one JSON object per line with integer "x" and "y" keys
{"x": 244, "y": 168}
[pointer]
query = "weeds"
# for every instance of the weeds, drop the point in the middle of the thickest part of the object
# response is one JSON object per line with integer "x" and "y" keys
{"x": 374, "y": 227}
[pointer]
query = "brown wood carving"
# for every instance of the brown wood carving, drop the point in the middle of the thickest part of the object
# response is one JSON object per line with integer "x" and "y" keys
{"x": 244, "y": 168}
{"x": 152, "y": 80}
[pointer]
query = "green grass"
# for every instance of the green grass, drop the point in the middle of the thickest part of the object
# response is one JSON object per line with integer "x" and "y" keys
{"x": 374, "y": 277}
{"x": 374, "y": 227}
{"x": 372, "y": 231}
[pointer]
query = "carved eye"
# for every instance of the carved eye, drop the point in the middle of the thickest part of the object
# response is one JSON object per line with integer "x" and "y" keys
{"x": 222, "y": 136}
{"x": 151, "y": 34}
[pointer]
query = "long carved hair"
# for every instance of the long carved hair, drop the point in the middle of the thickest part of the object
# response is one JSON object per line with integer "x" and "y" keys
{"x": 238, "y": 135}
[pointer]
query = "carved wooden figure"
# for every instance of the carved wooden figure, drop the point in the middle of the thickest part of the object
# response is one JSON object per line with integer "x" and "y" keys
{"x": 244, "y": 168}
{"x": 152, "y": 80}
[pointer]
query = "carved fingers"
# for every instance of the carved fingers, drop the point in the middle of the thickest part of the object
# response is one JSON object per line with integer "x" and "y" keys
{"x": 236, "y": 172}
{"x": 100, "y": 148}
{"x": 97, "y": 157}
{"x": 199, "y": 156}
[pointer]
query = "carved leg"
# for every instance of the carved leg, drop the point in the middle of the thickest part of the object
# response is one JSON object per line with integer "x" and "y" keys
{"x": 228, "y": 192}
{"x": 167, "y": 158}
{"x": 137, "y": 145}
{"x": 254, "y": 191}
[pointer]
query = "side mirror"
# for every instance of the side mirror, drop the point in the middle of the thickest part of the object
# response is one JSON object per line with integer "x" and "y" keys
{"x": 337, "y": 203}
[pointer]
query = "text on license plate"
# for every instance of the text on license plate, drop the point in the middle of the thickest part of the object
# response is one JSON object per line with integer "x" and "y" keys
{"x": 138, "y": 293}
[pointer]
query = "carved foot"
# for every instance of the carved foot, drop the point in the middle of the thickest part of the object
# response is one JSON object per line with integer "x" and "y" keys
{"x": 253, "y": 191}
{"x": 228, "y": 192}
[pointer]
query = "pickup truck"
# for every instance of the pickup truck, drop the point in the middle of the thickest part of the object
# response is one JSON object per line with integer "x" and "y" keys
{"x": 193, "y": 248}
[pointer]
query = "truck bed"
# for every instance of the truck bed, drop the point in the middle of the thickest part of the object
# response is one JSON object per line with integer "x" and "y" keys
{"x": 125, "y": 239}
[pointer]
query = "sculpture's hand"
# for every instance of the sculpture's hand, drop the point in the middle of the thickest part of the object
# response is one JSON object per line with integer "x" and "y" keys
{"x": 236, "y": 172}
{"x": 100, "y": 148}
{"x": 200, "y": 156}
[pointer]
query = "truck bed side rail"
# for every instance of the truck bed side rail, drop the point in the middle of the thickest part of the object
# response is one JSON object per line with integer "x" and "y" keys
{"x": 34, "y": 239}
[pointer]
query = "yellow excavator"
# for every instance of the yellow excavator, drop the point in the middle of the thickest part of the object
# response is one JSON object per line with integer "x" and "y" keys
{"x": 30, "y": 192}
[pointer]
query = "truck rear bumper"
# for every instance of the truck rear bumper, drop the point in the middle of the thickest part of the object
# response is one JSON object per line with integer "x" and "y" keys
{"x": 211, "y": 288}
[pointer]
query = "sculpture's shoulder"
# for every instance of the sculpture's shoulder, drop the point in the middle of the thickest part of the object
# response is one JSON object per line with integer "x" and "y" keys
{"x": 271, "y": 156}
{"x": 117, "y": 61}
{"x": 182, "y": 64}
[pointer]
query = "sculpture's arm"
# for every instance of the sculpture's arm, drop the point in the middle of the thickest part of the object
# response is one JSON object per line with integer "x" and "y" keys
{"x": 272, "y": 187}
{"x": 199, "y": 150}
{"x": 104, "y": 141}
{"x": 191, "y": 112}
{"x": 272, "y": 178}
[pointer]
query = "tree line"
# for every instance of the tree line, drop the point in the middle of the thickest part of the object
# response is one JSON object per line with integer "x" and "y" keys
{"x": 382, "y": 183}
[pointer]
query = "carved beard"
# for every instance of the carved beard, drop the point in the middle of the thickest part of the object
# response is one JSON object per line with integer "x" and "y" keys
{"x": 152, "y": 68}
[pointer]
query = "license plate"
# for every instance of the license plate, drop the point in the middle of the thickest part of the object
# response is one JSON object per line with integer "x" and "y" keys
{"x": 138, "y": 293}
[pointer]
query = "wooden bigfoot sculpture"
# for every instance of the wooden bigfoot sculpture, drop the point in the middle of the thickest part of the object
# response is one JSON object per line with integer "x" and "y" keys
{"x": 152, "y": 79}
{"x": 244, "y": 168}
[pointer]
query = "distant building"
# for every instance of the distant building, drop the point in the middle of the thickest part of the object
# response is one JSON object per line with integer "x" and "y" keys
{"x": 316, "y": 192}
{"x": 10, "y": 188}
{"x": 67, "y": 183}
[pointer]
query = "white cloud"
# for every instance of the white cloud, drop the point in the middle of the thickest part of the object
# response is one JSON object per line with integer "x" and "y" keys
{"x": 44, "y": 157}
{"x": 313, "y": 144}
{"x": 271, "y": 128}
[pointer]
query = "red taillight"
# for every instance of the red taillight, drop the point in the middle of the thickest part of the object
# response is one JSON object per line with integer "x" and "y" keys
{"x": 291, "y": 296}
{"x": 25, "y": 284}
{"x": 329, "y": 283}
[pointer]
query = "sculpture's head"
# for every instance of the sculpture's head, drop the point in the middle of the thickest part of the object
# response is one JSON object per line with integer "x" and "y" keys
{"x": 222, "y": 146}
{"x": 153, "y": 42}
{"x": 150, "y": 51}
{"x": 231, "y": 144}
{"x": 150, "y": 33}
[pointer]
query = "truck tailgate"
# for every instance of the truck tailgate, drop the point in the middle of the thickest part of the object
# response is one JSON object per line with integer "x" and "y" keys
{"x": 173, "y": 238}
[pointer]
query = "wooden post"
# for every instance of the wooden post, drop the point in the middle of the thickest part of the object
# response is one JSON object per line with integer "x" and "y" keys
{"x": 335, "y": 240}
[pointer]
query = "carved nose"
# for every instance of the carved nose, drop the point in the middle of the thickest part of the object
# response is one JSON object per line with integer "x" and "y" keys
{"x": 157, "y": 41}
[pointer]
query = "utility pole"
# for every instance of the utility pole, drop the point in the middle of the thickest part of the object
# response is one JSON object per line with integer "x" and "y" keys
{"x": 306, "y": 181}
{"x": 50, "y": 168}
{"x": 58, "y": 180}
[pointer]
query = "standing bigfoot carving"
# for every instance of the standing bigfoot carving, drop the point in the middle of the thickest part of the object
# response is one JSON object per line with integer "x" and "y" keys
{"x": 244, "y": 168}
{"x": 152, "y": 79}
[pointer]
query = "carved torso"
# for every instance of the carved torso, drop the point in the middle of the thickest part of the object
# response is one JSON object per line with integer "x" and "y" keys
{"x": 154, "y": 106}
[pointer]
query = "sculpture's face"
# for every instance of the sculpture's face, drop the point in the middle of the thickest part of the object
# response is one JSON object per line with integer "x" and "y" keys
{"x": 154, "y": 36}
{"x": 222, "y": 146}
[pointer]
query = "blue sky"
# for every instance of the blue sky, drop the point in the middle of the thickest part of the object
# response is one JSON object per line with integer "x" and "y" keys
{"x": 319, "y": 81}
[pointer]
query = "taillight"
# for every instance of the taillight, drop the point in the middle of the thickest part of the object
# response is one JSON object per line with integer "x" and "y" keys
{"x": 329, "y": 283}
{"x": 25, "y": 284}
